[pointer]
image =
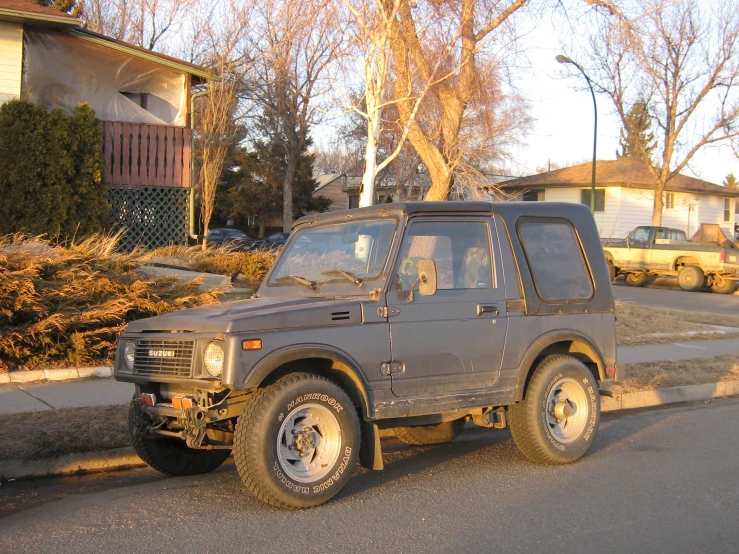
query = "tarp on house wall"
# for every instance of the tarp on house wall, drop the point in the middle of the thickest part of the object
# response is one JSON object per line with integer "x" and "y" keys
{"x": 62, "y": 71}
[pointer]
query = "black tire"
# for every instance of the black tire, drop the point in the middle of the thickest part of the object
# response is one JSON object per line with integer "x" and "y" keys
{"x": 538, "y": 434}
{"x": 169, "y": 455}
{"x": 612, "y": 273}
{"x": 259, "y": 460}
{"x": 430, "y": 434}
{"x": 723, "y": 286}
{"x": 690, "y": 278}
{"x": 636, "y": 279}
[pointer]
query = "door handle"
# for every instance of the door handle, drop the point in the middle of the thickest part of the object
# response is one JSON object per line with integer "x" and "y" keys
{"x": 491, "y": 309}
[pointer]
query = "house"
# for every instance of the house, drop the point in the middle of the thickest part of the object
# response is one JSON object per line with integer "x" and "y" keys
{"x": 344, "y": 188}
{"x": 624, "y": 197}
{"x": 142, "y": 98}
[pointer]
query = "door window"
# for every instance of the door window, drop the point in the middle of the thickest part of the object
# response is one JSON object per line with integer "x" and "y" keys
{"x": 460, "y": 249}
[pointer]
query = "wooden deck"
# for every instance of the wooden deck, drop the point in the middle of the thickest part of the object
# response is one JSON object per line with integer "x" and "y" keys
{"x": 146, "y": 155}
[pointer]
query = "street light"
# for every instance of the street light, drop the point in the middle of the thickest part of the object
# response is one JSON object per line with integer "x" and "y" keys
{"x": 564, "y": 59}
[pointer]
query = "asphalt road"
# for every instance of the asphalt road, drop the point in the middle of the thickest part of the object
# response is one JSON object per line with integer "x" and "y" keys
{"x": 657, "y": 481}
{"x": 676, "y": 299}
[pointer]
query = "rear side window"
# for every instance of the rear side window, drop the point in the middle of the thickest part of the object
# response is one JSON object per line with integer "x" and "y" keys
{"x": 556, "y": 260}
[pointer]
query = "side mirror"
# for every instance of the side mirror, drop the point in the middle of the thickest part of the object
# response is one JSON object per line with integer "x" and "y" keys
{"x": 427, "y": 277}
{"x": 426, "y": 281}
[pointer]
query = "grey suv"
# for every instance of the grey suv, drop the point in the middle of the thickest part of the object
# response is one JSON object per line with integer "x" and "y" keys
{"x": 418, "y": 317}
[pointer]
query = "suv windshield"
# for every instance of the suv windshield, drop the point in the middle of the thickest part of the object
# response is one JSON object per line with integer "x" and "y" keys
{"x": 342, "y": 252}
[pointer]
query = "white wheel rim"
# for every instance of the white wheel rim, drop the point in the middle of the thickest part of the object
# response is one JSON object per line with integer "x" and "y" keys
{"x": 309, "y": 443}
{"x": 567, "y": 396}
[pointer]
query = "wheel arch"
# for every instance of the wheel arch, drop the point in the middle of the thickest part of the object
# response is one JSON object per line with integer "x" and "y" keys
{"x": 683, "y": 261}
{"x": 318, "y": 359}
{"x": 570, "y": 343}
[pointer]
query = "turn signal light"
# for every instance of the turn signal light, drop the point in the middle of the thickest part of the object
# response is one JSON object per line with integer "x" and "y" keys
{"x": 251, "y": 344}
{"x": 148, "y": 399}
{"x": 182, "y": 402}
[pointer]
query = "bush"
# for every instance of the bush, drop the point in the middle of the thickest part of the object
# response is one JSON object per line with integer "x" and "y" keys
{"x": 51, "y": 171}
{"x": 67, "y": 305}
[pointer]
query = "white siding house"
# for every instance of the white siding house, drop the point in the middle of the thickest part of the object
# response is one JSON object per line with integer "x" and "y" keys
{"x": 625, "y": 197}
{"x": 11, "y": 60}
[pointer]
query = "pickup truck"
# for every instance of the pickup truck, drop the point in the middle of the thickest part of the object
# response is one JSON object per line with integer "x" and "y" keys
{"x": 418, "y": 317}
{"x": 650, "y": 250}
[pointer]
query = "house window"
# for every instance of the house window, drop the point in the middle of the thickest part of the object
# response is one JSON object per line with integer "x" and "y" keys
{"x": 670, "y": 200}
{"x": 353, "y": 201}
{"x": 727, "y": 209}
{"x": 533, "y": 196}
{"x": 600, "y": 199}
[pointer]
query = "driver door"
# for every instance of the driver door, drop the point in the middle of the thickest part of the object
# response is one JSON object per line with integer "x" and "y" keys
{"x": 451, "y": 341}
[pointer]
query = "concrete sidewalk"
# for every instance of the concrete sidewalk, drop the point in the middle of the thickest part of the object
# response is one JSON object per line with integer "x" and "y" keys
{"x": 20, "y": 398}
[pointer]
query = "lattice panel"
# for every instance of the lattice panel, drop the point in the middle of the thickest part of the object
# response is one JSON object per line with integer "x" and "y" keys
{"x": 152, "y": 216}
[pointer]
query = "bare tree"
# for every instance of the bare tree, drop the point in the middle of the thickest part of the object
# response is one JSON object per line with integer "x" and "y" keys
{"x": 146, "y": 23}
{"x": 684, "y": 60}
{"x": 451, "y": 39}
{"x": 293, "y": 43}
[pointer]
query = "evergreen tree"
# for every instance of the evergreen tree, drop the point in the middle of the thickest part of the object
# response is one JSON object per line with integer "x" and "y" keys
{"x": 34, "y": 169}
{"x": 730, "y": 182}
{"x": 252, "y": 184}
{"x": 51, "y": 171}
{"x": 89, "y": 210}
{"x": 637, "y": 132}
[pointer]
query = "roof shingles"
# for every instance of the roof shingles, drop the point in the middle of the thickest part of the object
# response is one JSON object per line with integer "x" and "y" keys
{"x": 614, "y": 173}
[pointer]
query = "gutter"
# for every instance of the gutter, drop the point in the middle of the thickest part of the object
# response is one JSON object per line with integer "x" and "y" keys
{"x": 193, "y": 234}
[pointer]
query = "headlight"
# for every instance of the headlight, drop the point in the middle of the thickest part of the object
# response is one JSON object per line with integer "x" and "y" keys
{"x": 129, "y": 353}
{"x": 213, "y": 359}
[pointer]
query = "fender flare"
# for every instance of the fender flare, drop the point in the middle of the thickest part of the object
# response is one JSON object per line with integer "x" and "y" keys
{"x": 343, "y": 364}
{"x": 547, "y": 340}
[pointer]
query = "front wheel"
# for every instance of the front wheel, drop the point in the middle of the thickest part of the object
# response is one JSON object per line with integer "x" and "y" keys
{"x": 297, "y": 441}
{"x": 557, "y": 421}
{"x": 167, "y": 455}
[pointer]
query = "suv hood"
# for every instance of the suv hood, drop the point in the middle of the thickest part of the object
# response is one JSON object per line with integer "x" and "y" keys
{"x": 256, "y": 314}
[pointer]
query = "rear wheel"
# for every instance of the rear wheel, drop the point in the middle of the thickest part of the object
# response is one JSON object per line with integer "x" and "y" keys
{"x": 430, "y": 434}
{"x": 169, "y": 455}
{"x": 636, "y": 279}
{"x": 557, "y": 421}
{"x": 297, "y": 441}
{"x": 690, "y": 278}
{"x": 723, "y": 286}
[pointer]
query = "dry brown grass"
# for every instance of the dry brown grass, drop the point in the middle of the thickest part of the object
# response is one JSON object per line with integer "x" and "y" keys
{"x": 698, "y": 371}
{"x": 252, "y": 266}
{"x": 639, "y": 324}
{"x": 67, "y": 304}
{"x": 53, "y": 433}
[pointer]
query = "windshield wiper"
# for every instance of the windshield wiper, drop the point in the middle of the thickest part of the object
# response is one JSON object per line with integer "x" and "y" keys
{"x": 302, "y": 280}
{"x": 348, "y": 276}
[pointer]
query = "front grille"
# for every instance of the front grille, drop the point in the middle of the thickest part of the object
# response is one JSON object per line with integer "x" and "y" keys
{"x": 164, "y": 357}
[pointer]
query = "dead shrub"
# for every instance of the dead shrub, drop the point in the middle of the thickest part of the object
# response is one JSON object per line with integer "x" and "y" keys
{"x": 65, "y": 305}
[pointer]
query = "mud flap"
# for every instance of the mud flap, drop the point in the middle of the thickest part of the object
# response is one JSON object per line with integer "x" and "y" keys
{"x": 370, "y": 453}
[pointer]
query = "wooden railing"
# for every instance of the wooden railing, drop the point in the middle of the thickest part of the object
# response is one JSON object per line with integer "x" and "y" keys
{"x": 146, "y": 155}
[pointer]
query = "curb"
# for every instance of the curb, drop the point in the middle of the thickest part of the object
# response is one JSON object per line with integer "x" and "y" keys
{"x": 122, "y": 458}
{"x": 118, "y": 458}
{"x": 55, "y": 374}
{"x": 669, "y": 395}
